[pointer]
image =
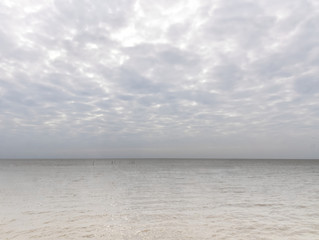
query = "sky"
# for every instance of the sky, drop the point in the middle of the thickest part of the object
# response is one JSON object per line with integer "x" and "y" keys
{"x": 159, "y": 78}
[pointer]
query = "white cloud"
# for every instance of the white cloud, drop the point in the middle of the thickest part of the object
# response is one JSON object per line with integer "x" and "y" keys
{"x": 217, "y": 78}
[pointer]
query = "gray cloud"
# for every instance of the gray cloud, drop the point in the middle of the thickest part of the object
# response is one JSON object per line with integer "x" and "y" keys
{"x": 307, "y": 85}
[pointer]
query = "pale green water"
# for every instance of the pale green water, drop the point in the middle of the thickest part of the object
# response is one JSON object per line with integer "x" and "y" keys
{"x": 159, "y": 199}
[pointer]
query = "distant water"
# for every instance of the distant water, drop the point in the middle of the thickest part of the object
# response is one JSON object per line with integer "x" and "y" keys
{"x": 159, "y": 199}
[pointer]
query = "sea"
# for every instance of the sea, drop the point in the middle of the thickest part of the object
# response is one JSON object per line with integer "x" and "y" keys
{"x": 167, "y": 199}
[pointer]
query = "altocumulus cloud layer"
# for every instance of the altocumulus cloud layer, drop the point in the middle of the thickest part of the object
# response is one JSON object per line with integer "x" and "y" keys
{"x": 144, "y": 78}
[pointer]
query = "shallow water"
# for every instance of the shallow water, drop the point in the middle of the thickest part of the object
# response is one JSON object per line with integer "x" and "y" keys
{"x": 159, "y": 199}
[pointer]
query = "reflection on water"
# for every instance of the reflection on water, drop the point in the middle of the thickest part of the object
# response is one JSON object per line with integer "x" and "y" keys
{"x": 159, "y": 199}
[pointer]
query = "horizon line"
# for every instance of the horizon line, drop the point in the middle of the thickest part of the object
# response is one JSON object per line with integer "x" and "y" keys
{"x": 158, "y": 158}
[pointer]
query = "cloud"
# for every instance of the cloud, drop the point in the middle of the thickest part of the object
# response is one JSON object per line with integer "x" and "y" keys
{"x": 161, "y": 78}
{"x": 307, "y": 85}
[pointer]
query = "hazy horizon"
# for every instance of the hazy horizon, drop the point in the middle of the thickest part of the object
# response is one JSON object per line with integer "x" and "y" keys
{"x": 162, "y": 158}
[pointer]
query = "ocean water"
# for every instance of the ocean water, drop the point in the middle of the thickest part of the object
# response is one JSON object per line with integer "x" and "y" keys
{"x": 159, "y": 199}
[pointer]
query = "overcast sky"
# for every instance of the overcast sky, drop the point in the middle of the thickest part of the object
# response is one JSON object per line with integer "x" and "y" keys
{"x": 159, "y": 78}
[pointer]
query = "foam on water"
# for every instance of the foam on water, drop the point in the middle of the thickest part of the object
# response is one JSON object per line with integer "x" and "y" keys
{"x": 159, "y": 199}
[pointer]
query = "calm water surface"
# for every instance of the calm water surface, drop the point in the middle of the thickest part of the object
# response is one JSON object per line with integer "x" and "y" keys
{"x": 159, "y": 199}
